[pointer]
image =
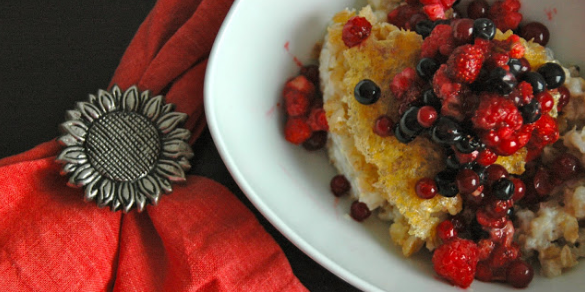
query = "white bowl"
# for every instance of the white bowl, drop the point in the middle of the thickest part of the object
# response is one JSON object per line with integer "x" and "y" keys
{"x": 290, "y": 186}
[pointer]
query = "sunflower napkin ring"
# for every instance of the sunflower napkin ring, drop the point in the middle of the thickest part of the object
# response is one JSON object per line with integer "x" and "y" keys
{"x": 124, "y": 148}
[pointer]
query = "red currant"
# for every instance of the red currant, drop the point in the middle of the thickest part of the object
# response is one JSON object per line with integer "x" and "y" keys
{"x": 463, "y": 30}
{"x": 383, "y": 126}
{"x": 427, "y": 116}
{"x": 546, "y": 101}
{"x": 535, "y": 31}
{"x": 446, "y": 231}
{"x": 519, "y": 274}
{"x": 359, "y": 211}
{"x": 426, "y": 188}
{"x": 565, "y": 166}
{"x": 519, "y": 189}
{"x": 478, "y": 9}
{"x": 339, "y": 185}
{"x": 564, "y": 97}
{"x": 467, "y": 181}
{"x": 495, "y": 172}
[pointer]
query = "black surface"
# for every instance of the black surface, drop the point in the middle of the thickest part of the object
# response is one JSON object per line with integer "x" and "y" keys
{"x": 56, "y": 52}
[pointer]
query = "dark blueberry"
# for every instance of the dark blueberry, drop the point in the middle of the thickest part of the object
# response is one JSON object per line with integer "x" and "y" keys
{"x": 446, "y": 131}
{"x": 424, "y": 28}
{"x": 468, "y": 144}
{"x": 456, "y": 3}
{"x": 515, "y": 66}
{"x": 531, "y": 112}
{"x": 536, "y": 80}
{"x": 429, "y": 98}
{"x": 367, "y": 92}
{"x": 553, "y": 75}
{"x": 500, "y": 81}
{"x": 484, "y": 28}
{"x": 446, "y": 184}
{"x": 503, "y": 189}
{"x": 400, "y": 136}
{"x": 482, "y": 78}
{"x": 409, "y": 123}
{"x": 426, "y": 68}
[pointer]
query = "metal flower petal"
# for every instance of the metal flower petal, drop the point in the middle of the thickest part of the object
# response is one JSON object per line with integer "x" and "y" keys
{"x": 124, "y": 148}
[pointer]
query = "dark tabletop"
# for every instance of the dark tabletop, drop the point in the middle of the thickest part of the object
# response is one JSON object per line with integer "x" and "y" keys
{"x": 56, "y": 52}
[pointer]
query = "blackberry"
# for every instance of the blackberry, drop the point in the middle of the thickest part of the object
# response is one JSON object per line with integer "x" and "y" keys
{"x": 536, "y": 80}
{"x": 446, "y": 184}
{"x": 484, "y": 28}
{"x": 553, "y": 75}
{"x": 503, "y": 189}
{"x": 531, "y": 112}
{"x": 367, "y": 92}
{"x": 426, "y": 68}
{"x": 446, "y": 131}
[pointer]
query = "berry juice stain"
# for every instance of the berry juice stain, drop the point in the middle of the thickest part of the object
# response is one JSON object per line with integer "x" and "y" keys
{"x": 550, "y": 13}
{"x": 295, "y": 59}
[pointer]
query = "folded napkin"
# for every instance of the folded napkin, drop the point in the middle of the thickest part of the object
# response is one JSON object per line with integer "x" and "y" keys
{"x": 199, "y": 238}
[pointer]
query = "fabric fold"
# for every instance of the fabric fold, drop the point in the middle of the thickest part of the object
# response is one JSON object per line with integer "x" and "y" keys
{"x": 198, "y": 238}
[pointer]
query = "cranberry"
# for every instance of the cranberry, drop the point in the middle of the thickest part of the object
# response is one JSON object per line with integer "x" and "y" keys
{"x": 463, "y": 30}
{"x": 467, "y": 181}
{"x": 565, "y": 166}
{"x": 426, "y": 188}
{"x": 446, "y": 231}
{"x": 427, "y": 116}
{"x": 519, "y": 274}
{"x": 359, "y": 211}
{"x": 536, "y": 32}
{"x": 565, "y": 94}
{"x": 355, "y": 31}
{"x": 546, "y": 101}
{"x": 339, "y": 185}
{"x": 495, "y": 172}
{"x": 316, "y": 141}
{"x": 383, "y": 126}
{"x": 478, "y": 9}
{"x": 519, "y": 189}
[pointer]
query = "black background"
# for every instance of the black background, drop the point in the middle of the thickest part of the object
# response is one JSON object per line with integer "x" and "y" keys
{"x": 56, "y": 52}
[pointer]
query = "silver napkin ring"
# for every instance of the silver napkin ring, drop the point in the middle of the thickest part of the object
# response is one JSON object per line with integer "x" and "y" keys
{"x": 124, "y": 148}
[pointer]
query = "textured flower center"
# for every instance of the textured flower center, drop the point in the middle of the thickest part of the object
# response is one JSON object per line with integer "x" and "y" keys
{"x": 123, "y": 146}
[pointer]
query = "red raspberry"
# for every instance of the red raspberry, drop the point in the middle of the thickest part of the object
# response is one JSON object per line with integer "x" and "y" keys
{"x": 465, "y": 63}
{"x": 505, "y": 14}
{"x": 496, "y": 112}
{"x": 456, "y": 261}
{"x": 546, "y": 131}
{"x": 434, "y": 11}
{"x": 297, "y": 130}
{"x": 298, "y": 93}
{"x": 317, "y": 119}
{"x": 522, "y": 94}
{"x": 402, "y": 82}
{"x": 356, "y": 30}
{"x": 440, "y": 41}
{"x": 454, "y": 96}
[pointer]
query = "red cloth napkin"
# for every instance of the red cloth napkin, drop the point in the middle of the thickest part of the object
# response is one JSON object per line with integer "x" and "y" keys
{"x": 199, "y": 238}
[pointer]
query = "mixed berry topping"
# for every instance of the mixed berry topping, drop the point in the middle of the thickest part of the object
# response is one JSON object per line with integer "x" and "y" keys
{"x": 479, "y": 98}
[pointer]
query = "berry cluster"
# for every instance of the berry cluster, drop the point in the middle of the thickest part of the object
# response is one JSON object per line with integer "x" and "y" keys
{"x": 480, "y": 99}
{"x": 306, "y": 122}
